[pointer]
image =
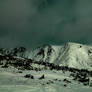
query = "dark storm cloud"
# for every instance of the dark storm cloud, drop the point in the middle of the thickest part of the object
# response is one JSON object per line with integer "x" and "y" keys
{"x": 14, "y": 20}
{"x": 35, "y": 22}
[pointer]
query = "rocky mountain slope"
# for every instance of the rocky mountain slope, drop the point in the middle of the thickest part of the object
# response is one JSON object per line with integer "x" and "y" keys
{"x": 70, "y": 54}
{"x": 48, "y": 68}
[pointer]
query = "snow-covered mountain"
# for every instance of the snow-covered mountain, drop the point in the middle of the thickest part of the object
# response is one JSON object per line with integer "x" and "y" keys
{"x": 48, "y": 68}
{"x": 70, "y": 54}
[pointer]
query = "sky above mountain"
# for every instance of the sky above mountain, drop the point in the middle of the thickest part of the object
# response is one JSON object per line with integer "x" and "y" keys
{"x": 31, "y": 23}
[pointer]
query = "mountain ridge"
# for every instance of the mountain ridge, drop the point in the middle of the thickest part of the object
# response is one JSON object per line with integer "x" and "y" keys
{"x": 70, "y": 54}
{"x": 58, "y": 67}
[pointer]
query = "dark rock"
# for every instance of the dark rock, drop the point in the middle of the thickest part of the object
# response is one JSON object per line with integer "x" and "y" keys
{"x": 29, "y": 76}
{"x": 42, "y": 77}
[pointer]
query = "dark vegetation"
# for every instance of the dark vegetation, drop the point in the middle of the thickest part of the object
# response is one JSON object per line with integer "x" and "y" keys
{"x": 26, "y": 64}
{"x": 13, "y": 52}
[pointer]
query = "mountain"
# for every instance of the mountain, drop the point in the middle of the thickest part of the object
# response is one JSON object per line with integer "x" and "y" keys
{"x": 48, "y": 68}
{"x": 70, "y": 54}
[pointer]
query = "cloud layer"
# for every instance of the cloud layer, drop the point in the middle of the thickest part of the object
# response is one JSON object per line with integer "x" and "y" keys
{"x": 34, "y": 22}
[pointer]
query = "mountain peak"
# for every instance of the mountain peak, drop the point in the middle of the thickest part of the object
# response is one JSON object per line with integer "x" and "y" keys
{"x": 70, "y": 54}
{"x": 73, "y": 43}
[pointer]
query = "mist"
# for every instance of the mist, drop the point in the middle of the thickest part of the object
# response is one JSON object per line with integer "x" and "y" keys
{"x": 31, "y": 23}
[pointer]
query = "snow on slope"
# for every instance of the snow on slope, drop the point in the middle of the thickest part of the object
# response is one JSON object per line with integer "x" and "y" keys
{"x": 12, "y": 79}
{"x": 70, "y": 54}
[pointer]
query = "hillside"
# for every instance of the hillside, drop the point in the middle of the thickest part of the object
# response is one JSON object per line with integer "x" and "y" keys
{"x": 48, "y": 68}
{"x": 70, "y": 54}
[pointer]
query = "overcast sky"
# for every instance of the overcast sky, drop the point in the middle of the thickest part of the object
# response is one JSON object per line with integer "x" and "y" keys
{"x": 31, "y": 23}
